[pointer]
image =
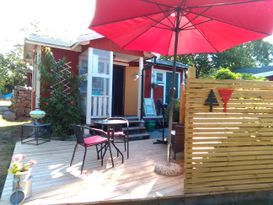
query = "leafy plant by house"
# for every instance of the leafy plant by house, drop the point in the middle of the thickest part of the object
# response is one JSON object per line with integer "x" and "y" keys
{"x": 60, "y": 94}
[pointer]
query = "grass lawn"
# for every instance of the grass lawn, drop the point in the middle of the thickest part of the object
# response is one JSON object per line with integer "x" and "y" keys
{"x": 9, "y": 134}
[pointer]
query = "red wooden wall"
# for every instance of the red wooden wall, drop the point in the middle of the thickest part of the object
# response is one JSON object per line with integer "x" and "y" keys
{"x": 70, "y": 56}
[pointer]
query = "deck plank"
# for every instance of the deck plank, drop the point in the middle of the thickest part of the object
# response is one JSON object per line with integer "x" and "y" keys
{"x": 54, "y": 182}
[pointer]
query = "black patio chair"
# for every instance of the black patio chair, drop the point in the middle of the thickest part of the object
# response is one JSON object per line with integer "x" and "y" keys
{"x": 120, "y": 134}
{"x": 91, "y": 137}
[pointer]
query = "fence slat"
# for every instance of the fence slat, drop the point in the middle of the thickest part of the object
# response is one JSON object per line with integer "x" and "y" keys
{"x": 228, "y": 151}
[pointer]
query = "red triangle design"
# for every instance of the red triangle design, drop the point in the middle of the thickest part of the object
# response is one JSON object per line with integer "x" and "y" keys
{"x": 225, "y": 95}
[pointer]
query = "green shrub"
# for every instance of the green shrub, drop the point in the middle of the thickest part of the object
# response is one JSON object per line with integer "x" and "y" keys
{"x": 225, "y": 73}
{"x": 246, "y": 76}
{"x": 61, "y": 106}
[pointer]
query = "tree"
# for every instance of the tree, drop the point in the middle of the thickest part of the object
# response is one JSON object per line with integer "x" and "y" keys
{"x": 238, "y": 57}
{"x": 253, "y": 54}
{"x": 12, "y": 70}
{"x": 262, "y": 52}
{"x": 201, "y": 62}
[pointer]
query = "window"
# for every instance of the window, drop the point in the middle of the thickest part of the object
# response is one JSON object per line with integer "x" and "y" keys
{"x": 103, "y": 67}
{"x": 159, "y": 78}
{"x": 101, "y": 62}
{"x": 100, "y": 86}
{"x": 83, "y": 66}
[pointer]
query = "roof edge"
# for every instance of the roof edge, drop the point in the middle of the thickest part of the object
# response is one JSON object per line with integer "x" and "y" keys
{"x": 72, "y": 47}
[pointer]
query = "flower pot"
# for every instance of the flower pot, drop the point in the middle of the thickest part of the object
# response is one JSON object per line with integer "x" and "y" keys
{"x": 23, "y": 183}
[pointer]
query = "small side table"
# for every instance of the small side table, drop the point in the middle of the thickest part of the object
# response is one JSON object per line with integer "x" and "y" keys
{"x": 36, "y": 133}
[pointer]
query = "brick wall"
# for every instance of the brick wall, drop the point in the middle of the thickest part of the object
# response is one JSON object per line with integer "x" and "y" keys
{"x": 21, "y": 102}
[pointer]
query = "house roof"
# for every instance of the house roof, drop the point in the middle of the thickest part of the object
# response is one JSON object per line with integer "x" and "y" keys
{"x": 167, "y": 63}
{"x": 92, "y": 39}
{"x": 264, "y": 71}
{"x": 33, "y": 40}
{"x": 49, "y": 41}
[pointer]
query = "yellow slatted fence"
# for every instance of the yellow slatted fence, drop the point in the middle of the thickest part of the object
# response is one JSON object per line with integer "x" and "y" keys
{"x": 229, "y": 151}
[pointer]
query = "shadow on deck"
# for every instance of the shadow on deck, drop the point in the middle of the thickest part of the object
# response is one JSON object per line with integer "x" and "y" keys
{"x": 54, "y": 182}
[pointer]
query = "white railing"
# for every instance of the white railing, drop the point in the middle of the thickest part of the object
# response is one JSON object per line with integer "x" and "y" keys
{"x": 100, "y": 106}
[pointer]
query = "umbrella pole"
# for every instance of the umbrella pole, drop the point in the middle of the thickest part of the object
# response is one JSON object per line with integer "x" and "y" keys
{"x": 171, "y": 169}
{"x": 177, "y": 30}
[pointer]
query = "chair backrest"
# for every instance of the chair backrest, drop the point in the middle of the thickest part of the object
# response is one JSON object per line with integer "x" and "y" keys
{"x": 95, "y": 131}
{"x": 82, "y": 131}
{"x": 79, "y": 133}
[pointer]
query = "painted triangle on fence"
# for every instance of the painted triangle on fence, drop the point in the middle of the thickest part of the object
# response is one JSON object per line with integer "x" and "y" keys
{"x": 211, "y": 100}
{"x": 225, "y": 95}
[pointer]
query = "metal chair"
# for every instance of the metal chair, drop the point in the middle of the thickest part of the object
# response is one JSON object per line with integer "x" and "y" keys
{"x": 121, "y": 135}
{"x": 92, "y": 137}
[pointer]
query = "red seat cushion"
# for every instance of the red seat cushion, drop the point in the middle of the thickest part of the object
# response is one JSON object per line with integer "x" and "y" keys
{"x": 93, "y": 140}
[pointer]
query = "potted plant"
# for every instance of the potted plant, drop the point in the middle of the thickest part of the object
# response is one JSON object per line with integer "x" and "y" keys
{"x": 21, "y": 170}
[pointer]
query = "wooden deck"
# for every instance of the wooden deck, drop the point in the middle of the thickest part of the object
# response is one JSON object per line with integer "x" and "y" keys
{"x": 54, "y": 182}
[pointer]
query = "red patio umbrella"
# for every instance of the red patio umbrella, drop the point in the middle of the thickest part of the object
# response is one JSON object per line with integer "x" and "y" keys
{"x": 182, "y": 26}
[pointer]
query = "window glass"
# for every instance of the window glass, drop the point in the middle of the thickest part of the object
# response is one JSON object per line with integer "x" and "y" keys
{"x": 100, "y": 86}
{"x": 83, "y": 66}
{"x": 101, "y": 61}
{"x": 159, "y": 77}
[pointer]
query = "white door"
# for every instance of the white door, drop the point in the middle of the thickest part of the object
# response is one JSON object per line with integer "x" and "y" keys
{"x": 101, "y": 83}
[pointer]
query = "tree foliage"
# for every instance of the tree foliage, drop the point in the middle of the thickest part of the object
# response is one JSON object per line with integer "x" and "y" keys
{"x": 12, "y": 70}
{"x": 262, "y": 52}
{"x": 201, "y": 62}
{"x": 62, "y": 108}
{"x": 253, "y": 54}
{"x": 238, "y": 57}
